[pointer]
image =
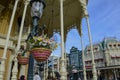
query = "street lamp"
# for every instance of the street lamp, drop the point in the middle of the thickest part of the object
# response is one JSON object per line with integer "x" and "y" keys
{"x": 37, "y": 7}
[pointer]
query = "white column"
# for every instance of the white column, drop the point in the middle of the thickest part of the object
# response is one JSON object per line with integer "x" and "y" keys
{"x": 63, "y": 68}
{"x": 22, "y": 24}
{"x": 20, "y": 34}
{"x": 91, "y": 47}
{"x": 9, "y": 30}
{"x": 10, "y": 66}
{"x": 2, "y": 65}
{"x": 22, "y": 70}
{"x": 15, "y": 70}
{"x": 85, "y": 14}
{"x": 83, "y": 59}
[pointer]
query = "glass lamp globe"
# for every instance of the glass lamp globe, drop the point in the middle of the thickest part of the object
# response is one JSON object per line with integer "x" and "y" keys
{"x": 37, "y": 7}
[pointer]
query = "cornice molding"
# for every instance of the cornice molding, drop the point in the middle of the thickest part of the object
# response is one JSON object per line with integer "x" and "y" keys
{"x": 11, "y": 48}
{"x": 4, "y": 37}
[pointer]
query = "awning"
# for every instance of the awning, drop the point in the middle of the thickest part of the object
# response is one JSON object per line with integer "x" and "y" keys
{"x": 103, "y": 68}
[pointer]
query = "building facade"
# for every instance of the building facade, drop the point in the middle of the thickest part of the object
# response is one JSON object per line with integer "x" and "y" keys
{"x": 75, "y": 63}
{"x": 107, "y": 59}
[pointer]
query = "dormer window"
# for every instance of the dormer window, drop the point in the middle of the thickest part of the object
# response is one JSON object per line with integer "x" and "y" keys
{"x": 114, "y": 45}
{"x": 88, "y": 50}
{"x": 96, "y": 49}
{"x": 110, "y": 45}
{"x": 119, "y": 45}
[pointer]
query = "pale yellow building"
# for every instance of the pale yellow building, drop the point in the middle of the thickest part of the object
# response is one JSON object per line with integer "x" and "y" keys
{"x": 15, "y": 24}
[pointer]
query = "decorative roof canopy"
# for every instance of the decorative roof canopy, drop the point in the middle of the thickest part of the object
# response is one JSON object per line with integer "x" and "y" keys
{"x": 51, "y": 15}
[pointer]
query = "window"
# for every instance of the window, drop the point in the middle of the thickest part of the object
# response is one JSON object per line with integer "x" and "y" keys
{"x": 96, "y": 49}
{"x": 114, "y": 45}
{"x": 119, "y": 45}
{"x": 88, "y": 50}
{"x": 110, "y": 45}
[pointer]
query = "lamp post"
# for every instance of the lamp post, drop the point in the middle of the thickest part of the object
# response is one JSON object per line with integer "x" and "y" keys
{"x": 37, "y": 7}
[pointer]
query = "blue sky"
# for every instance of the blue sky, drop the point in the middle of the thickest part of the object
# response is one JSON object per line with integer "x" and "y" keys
{"x": 104, "y": 22}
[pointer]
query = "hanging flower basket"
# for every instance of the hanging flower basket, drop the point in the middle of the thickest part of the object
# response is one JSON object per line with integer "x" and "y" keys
{"x": 23, "y": 60}
{"x": 42, "y": 47}
{"x": 22, "y": 57}
{"x": 41, "y": 54}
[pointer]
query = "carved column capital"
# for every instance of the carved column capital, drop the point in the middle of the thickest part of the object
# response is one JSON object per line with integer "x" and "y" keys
{"x": 83, "y": 4}
{"x": 26, "y": 2}
{"x": 62, "y": 0}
